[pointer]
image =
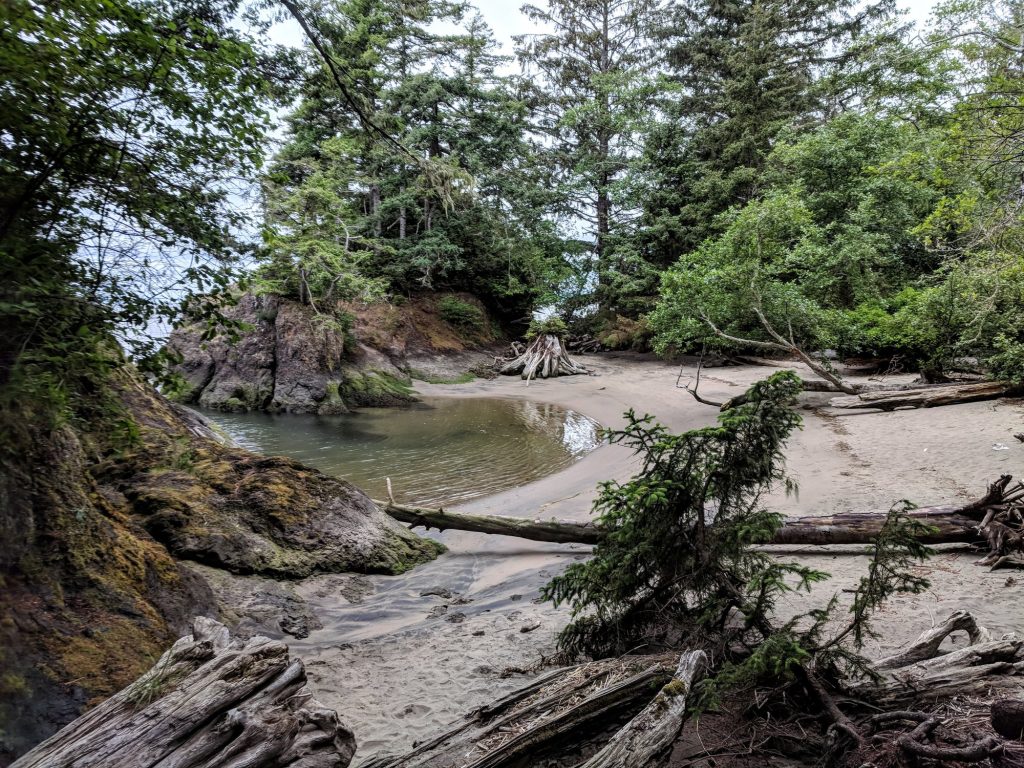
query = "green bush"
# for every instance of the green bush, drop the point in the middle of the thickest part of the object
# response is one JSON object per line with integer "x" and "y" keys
{"x": 460, "y": 314}
{"x": 552, "y": 326}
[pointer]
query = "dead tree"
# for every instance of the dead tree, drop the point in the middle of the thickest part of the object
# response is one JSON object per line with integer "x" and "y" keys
{"x": 545, "y": 357}
{"x": 996, "y": 516}
{"x": 925, "y": 397}
{"x": 209, "y": 702}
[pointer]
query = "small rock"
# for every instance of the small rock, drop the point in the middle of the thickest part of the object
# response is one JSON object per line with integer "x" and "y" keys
{"x": 437, "y": 610}
{"x": 438, "y": 591}
{"x": 516, "y": 597}
{"x": 530, "y": 627}
{"x": 462, "y": 601}
{"x": 456, "y": 618}
{"x": 1010, "y": 582}
{"x": 478, "y": 633}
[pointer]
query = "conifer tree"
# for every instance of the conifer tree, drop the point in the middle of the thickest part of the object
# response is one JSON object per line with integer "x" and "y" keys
{"x": 593, "y": 91}
{"x": 744, "y": 70}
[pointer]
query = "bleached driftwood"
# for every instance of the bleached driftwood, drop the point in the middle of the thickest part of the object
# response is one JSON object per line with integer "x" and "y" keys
{"x": 925, "y": 397}
{"x": 647, "y": 738}
{"x": 209, "y": 702}
{"x": 921, "y": 675}
{"x": 544, "y": 358}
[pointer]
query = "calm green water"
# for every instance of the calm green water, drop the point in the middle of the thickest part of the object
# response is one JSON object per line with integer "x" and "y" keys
{"x": 439, "y": 452}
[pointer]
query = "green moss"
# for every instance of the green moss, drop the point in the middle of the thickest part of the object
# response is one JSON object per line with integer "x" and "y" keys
{"x": 374, "y": 388}
{"x": 462, "y": 378}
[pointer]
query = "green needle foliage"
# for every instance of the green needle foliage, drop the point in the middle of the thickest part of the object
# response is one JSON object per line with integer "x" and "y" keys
{"x": 679, "y": 553}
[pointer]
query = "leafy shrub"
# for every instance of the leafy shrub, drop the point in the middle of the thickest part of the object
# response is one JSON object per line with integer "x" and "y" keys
{"x": 552, "y": 326}
{"x": 1008, "y": 361}
{"x": 460, "y": 314}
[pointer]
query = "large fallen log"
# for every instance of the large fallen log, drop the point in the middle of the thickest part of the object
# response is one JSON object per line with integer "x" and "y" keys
{"x": 925, "y": 397}
{"x": 947, "y": 523}
{"x": 209, "y": 702}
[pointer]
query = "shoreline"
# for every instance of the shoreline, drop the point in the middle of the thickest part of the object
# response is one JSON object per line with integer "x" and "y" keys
{"x": 399, "y": 665}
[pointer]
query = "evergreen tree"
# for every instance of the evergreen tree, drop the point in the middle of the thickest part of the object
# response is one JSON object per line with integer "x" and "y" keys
{"x": 594, "y": 89}
{"x": 442, "y": 97}
{"x": 744, "y": 69}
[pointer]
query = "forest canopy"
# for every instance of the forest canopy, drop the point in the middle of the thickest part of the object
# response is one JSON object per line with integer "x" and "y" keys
{"x": 651, "y": 171}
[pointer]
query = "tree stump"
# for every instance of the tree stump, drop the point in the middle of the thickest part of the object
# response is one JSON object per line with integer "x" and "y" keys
{"x": 544, "y": 358}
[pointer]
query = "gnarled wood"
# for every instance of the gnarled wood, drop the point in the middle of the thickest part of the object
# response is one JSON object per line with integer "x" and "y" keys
{"x": 921, "y": 675}
{"x": 925, "y": 397}
{"x": 646, "y": 739}
{"x": 562, "y": 709}
{"x": 544, "y": 358}
{"x": 927, "y": 645}
{"x": 210, "y": 702}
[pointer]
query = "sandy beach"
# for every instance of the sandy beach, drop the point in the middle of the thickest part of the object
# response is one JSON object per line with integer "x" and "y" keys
{"x": 400, "y": 657}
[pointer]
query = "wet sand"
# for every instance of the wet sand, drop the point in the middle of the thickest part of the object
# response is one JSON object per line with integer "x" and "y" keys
{"x": 400, "y": 657}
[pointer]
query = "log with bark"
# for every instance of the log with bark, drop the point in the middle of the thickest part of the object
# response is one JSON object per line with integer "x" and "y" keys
{"x": 545, "y": 357}
{"x": 209, "y": 702}
{"x": 949, "y": 523}
{"x": 925, "y": 397}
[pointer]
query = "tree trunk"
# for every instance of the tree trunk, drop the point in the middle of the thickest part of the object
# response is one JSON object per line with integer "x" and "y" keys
{"x": 557, "y": 531}
{"x": 209, "y": 702}
{"x": 545, "y": 357}
{"x": 925, "y": 397}
{"x": 844, "y": 528}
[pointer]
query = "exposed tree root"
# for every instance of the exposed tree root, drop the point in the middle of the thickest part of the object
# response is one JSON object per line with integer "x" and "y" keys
{"x": 545, "y": 357}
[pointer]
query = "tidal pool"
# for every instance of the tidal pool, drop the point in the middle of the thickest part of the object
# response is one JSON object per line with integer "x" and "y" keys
{"x": 439, "y": 452}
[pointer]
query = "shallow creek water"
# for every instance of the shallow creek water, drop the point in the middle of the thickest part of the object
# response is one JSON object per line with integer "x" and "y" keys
{"x": 399, "y": 657}
{"x": 441, "y": 451}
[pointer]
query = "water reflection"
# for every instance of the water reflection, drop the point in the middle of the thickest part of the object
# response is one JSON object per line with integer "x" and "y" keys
{"x": 440, "y": 452}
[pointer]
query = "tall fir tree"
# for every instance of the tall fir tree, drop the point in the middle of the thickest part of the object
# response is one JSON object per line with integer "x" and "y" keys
{"x": 744, "y": 70}
{"x": 593, "y": 89}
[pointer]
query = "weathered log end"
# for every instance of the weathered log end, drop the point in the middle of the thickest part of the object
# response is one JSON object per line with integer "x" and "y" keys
{"x": 1008, "y": 718}
{"x": 209, "y": 701}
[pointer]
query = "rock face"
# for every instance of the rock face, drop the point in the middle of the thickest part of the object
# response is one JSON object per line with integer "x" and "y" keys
{"x": 288, "y": 358}
{"x": 94, "y": 525}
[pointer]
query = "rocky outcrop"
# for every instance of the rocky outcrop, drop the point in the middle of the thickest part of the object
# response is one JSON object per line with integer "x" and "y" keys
{"x": 95, "y": 524}
{"x": 285, "y": 357}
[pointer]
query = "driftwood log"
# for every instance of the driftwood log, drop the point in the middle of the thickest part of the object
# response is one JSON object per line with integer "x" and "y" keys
{"x": 924, "y": 397}
{"x": 209, "y": 702}
{"x": 922, "y": 675}
{"x": 566, "y": 709}
{"x": 545, "y": 357}
{"x": 947, "y": 523}
{"x": 646, "y": 739}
